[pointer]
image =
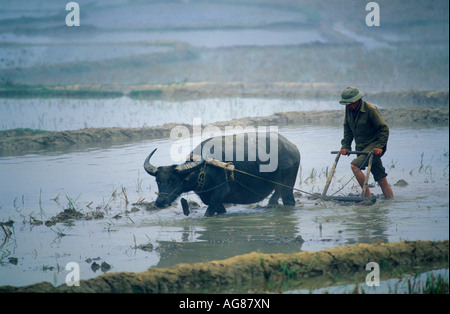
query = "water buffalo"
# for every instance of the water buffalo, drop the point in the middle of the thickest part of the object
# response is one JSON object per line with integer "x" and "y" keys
{"x": 253, "y": 179}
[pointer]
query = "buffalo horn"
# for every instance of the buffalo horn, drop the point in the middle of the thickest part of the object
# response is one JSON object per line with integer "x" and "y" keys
{"x": 151, "y": 170}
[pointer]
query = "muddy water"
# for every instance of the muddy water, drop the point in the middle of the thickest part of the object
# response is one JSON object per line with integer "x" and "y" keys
{"x": 36, "y": 187}
{"x": 59, "y": 114}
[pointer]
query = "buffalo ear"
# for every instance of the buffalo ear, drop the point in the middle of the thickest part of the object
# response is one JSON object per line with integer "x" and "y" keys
{"x": 188, "y": 166}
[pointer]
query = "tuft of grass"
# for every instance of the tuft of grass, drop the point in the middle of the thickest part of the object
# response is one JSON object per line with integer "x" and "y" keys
{"x": 124, "y": 193}
{"x": 434, "y": 284}
{"x": 72, "y": 202}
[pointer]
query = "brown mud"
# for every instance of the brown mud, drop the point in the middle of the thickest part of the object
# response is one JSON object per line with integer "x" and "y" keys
{"x": 258, "y": 272}
{"x": 69, "y": 215}
{"x": 22, "y": 141}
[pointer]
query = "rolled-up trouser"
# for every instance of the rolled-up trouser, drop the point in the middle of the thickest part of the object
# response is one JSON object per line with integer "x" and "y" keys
{"x": 378, "y": 171}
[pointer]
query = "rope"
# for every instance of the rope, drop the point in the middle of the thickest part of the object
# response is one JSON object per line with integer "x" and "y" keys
{"x": 299, "y": 190}
{"x": 274, "y": 182}
{"x": 278, "y": 183}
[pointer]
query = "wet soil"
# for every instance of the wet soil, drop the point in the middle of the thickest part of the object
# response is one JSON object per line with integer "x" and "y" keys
{"x": 27, "y": 141}
{"x": 69, "y": 215}
{"x": 258, "y": 272}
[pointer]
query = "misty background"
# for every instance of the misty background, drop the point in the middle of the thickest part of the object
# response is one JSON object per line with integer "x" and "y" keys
{"x": 123, "y": 42}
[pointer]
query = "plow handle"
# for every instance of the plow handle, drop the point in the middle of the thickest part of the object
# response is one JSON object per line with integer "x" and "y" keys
{"x": 351, "y": 152}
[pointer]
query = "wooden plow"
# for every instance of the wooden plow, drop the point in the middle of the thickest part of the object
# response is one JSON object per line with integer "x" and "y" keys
{"x": 357, "y": 198}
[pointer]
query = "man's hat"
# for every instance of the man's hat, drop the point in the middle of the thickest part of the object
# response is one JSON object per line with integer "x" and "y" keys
{"x": 350, "y": 95}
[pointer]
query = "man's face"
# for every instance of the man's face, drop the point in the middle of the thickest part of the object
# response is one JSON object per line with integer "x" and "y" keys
{"x": 353, "y": 105}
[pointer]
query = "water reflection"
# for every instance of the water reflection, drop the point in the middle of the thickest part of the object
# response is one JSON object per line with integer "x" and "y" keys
{"x": 266, "y": 230}
{"x": 368, "y": 224}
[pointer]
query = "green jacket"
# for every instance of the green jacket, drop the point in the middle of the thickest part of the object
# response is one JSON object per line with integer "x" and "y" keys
{"x": 368, "y": 129}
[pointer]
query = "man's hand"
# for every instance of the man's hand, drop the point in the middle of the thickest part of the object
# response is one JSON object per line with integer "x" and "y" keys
{"x": 344, "y": 151}
{"x": 377, "y": 151}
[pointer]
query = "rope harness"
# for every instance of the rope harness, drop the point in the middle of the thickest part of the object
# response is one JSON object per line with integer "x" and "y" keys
{"x": 201, "y": 179}
{"x": 229, "y": 167}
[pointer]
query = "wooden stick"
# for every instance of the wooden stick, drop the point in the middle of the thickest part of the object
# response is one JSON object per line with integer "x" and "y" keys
{"x": 330, "y": 176}
{"x": 366, "y": 179}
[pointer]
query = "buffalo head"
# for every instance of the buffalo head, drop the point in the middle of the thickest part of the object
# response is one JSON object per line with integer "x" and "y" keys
{"x": 170, "y": 179}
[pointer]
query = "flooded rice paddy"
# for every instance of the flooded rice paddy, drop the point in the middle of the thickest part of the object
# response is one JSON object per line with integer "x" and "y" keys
{"x": 60, "y": 114}
{"x": 103, "y": 183}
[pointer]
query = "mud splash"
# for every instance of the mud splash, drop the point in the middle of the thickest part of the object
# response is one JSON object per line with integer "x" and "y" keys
{"x": 258, "y": 272}
{"x": 26, "y": 141}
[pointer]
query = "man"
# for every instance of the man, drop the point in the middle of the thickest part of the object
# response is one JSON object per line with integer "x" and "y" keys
{"x": 364, "y": 124}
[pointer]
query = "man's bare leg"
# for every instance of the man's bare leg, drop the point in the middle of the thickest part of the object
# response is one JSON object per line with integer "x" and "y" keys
{"x": 386, "y": 188}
